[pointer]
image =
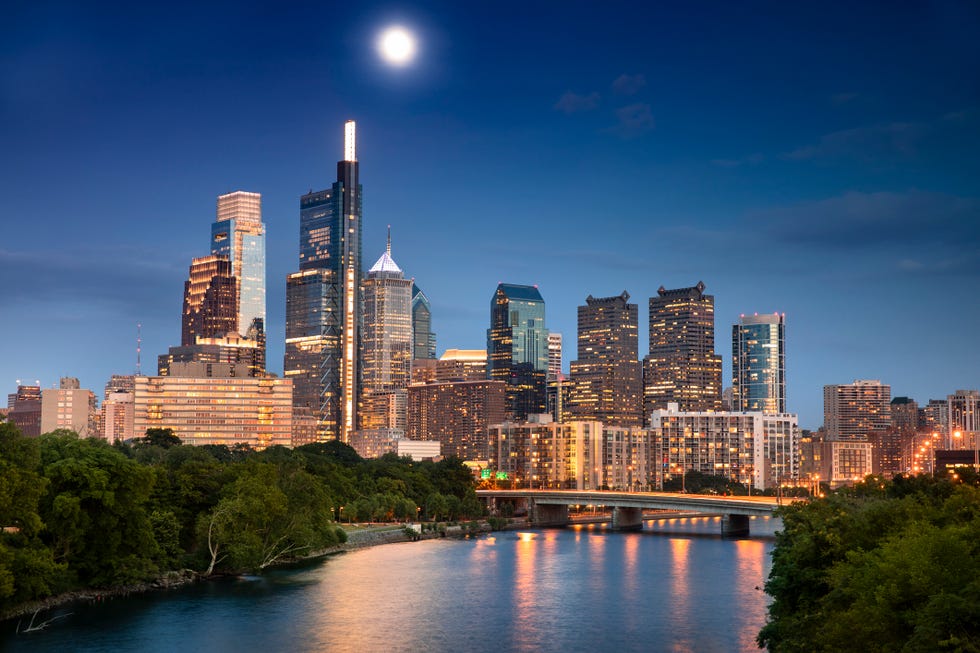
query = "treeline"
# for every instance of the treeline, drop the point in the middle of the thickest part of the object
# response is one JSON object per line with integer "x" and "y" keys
{"x": 884, "y": 566}
{"x": 80, "y": 513}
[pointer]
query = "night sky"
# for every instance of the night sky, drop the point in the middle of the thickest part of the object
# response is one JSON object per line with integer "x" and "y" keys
{"x": 818, "y": 160}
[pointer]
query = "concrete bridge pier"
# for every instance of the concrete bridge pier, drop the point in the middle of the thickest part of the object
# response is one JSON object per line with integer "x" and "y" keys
{"x": 627, "y": 519}
{"x": 734, "y": 525}
{"x": 549, "y": 514}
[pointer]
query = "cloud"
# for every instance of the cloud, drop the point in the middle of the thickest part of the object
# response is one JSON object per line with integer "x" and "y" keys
{"x": 633, "y": 120}
{"x": 628, "y": 84}
{"x": 868, "y": 144}
{"x": 574, "y": 103}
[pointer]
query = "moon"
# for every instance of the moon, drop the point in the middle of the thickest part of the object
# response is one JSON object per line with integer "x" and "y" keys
{"x": 396, "y": 45}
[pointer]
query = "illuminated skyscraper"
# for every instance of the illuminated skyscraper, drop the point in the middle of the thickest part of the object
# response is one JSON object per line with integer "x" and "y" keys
{"x": 238, "y": 233}
{"x": 682, "y": 367}
{"x": 606, "y": 380}
{"x": 323, "y": 302}
{"x": 210, "y": 300}
{"x": 517, "y": 348}
{"x": 856, "y": 411}
{"x": 423, "y": 338}
{"x": 759, "y": 363}
{"x": 554, "y": 356}
{"x": 386, "y": 341}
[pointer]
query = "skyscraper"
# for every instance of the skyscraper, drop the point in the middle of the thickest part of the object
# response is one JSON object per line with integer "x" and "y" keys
{"x": 210, "y": 300}
{"x": 386, "y": 340}
{"x": 682, "y": 367}
{"x": 517, "y": 347}
{"x": 856, "y": 411}
{"x": 554, "y": 356}
{"x": 606, "y": 379}
{"x": 239, "y": 235}
{"x": 323, "y": 301}
{"x": 759, "y": 363}
{"x": 423, "y": 338}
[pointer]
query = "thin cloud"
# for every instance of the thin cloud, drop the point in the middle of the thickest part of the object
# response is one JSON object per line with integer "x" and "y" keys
{"x": 574, "y": 103}
{"x": 628, "y": 84}
{"x": 869, "y": 143}
{"x": 633, "y": 120}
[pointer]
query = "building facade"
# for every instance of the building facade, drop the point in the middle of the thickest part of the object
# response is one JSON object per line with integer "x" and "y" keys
{"x": 682, "y": 367}
{"x": 517, "y": 348}
{"x": 423, "y": 339}
{"x": 456, "y": 414}
{"x": 25, "y": 410}
{"x": 323, "y": 302}
{"x": 461, "y": 365}
{"x": 69, "y": 407}
{"x": 856, "y": 411}
{"x": 606, "y": 379}
{"x": 759, "y": 363}
{"x": 963, "y": 423}
{"x": 253, "y": 411}
{"x": 554, "y": 355}
{"x": 210, "y": 300}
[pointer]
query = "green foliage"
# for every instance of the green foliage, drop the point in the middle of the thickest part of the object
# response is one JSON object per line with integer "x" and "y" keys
{"x": 883, "y": 566}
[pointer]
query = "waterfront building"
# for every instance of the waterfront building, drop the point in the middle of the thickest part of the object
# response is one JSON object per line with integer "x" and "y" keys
{"x": 456, "y": 414}
{"x": 759, "y": 363}
{"x": 323, "y": 302}
{"x": 754, "y": 448}
{"x": 69, "y": 407}
{"x": 964, "y": 419}
{"x": 253, "y": 411}
{"x": 386, "y": 344}
{"x": 24, "y": 409}
{"x": 423, "y": 339}
{"x": 239, "y": 235}
{"x": 461, "y": 365}
{"x": 856, "y": 411}
{"x": 210, "y": 300}
{"x": 682, "y": 367}
{"x": 517, "y": 347}
{"x": 554, "y": 356}
{"x": 606, "y": 378}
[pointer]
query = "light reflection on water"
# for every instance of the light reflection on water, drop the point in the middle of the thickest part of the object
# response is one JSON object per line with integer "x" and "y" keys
{"x": 676, "y": 586}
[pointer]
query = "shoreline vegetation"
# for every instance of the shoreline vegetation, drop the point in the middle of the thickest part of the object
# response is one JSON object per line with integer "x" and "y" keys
{"x": 80, "y": 513}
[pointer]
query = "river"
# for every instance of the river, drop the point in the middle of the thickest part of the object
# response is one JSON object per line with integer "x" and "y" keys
{"x": 675, "y": 586}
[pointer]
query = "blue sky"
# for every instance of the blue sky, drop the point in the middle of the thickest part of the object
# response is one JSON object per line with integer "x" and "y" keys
{"x": 814, "y": 159}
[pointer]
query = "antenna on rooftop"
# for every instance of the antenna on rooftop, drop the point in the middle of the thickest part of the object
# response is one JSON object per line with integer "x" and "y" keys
{"x": 139, "y": 346}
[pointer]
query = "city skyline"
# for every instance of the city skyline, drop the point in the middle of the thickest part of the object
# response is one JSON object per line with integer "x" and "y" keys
{"x": 846, "y": 165}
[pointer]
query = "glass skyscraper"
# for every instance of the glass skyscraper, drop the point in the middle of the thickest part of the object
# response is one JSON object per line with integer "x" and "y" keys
{"x": 517, "y": 348}
{"x": 424, "y": 340}
{"x": 239, "y": 235}
{"x": 759, "y": 363}
{"x": 323, "y": 302}
{"x": 386, "y": 342}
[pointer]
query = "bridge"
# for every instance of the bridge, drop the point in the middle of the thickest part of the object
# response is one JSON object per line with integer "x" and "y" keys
{"x": 550, "y": 507}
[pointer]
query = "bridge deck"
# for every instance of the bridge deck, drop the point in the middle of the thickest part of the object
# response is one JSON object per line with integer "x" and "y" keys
{"x": 758, "y": 506}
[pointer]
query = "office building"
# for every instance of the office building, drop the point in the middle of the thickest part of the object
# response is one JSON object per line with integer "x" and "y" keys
{"x": 517, "y": 348}
{"x": 554, "y": 356}
{"x": 253, "y": 411}
{"x": 456, "y": 414}
{"x": 323, "y": 302}
{"x": 606, "y": 378}
{"x": 210, "y": 300}
{"x": 856, "y": 411}
{"x": 759, "y": 363}
{"x": 423, "y": 339}
{"x": 69, "y": 407}
{"x": 682, "y": 367}
{"x": 461, "y": 365}
{"x": 25, "y": 409}
{"x": 386, "y": 341}
{"x": 216, "y": 357}
{"x": 239, "y": 235}
{"x": 963, "y": 423}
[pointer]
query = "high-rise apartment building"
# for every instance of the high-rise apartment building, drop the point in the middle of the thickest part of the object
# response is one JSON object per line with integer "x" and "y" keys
{"x": 456, "y": 414}
{"x": 461, "y": 365}
{"x": 759, "y": 363}
{"x": 517, "y": 348}
{"x": 386, "y": 341}
{"x": 323, "y": 302}
{"x": 964, "y": 419}
{"x": 856, "y": 411}
{"x": 554, "y": 356}
{"x": 682, "y": 367}
{"x": 210, "y": 300}
{"x": 69, "y": 406}
{"x": 606, "y": 379}
{"x": 239, "y": 235}
{"x": 423, "y": 339}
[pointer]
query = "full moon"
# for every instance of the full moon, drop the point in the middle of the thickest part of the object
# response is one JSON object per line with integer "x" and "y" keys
{"x": 396, "y": 46}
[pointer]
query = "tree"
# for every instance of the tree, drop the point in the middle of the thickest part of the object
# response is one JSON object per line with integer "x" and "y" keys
{"x": 163, "y": 438}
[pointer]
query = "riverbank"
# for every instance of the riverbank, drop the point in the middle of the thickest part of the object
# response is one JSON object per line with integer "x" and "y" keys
{"x": 358, "y": 538}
